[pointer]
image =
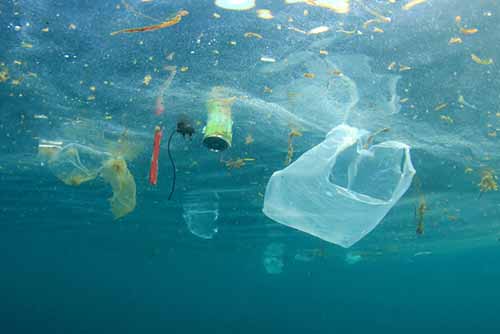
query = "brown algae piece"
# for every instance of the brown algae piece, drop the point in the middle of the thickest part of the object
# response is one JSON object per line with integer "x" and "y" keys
{"x": 289, "y": 156}
{"x": 253, "y": 34}
{"x": 480, "y": 61}
{"x": 116, "y": 173}
{"x": 176, "y": 19}
{"x": 440, "y": 106}
{"x": 455, "y": 40}
{"x": 147, "y": 79}
{"x": 470, "y": 31}
{"x": 488, "y": 181}
{"x": 4, "y": 74}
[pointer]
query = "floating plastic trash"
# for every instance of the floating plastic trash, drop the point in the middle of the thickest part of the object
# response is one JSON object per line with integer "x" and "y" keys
{"x": 218, "y": 132}
{"x": 342, "y": 188}
{"x": 201, "y": 212}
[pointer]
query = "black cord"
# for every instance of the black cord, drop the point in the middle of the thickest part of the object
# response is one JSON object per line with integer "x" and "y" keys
{"x": 174, "y": 174}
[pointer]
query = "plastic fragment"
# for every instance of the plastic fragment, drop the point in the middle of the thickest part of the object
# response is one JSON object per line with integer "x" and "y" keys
{"x": 153, "y": 171}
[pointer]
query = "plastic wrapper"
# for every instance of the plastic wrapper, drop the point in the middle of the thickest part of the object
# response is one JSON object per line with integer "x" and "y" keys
{"x": 342, "y": 188}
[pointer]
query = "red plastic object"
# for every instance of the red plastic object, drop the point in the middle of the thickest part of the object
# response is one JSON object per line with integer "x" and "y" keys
{"x": 153, "y": 171}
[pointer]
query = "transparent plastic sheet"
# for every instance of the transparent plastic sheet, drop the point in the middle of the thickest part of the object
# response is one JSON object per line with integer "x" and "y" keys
{"x": 201, "y": 212}
{"x": 74, "y": 164}
{"x": 342, "y": 188}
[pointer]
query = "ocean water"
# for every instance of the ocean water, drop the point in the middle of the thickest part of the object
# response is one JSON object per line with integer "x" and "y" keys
{"x": 73, "y": 96}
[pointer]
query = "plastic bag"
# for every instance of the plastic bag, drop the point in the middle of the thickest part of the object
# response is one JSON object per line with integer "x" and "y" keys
{"x": 342, "y": 188}
{"x": 115, "y": 171}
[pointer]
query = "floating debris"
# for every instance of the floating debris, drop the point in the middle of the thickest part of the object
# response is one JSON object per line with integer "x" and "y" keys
{"x": 413, "y": 3}
{"x": 477, "y": 60}
{"x": 447, "y": 119}
{"x": 488, "y": 181}
{"x": 177, "y": 18}
{"x": 26, "y": 45}
{"x": 403, "y": 68}
{"x": 159, "y": 104}
{"x": 318, "y": 30}
{"x": 471, "y": 31}
{"x": 289, "y": 156}
{"x": 153, "y": 170}
{"x": 267, "y": 59}
{"x": 235, "y": 4}
{"x": 249, "y": 139}
{"x": 237, "y": 163}
{"x": 455, "y": 40}
{"x": 440, "y": 106}
{"x": 264, "y": 14}
{"x": 297, "y": 30}
{"x": 147, "y": 79}
{"x": 4, "y": 74}
{"x": 253, "y": 34}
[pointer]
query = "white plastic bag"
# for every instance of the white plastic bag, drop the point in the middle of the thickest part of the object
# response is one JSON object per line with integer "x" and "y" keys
{"x": 342, "y": 188}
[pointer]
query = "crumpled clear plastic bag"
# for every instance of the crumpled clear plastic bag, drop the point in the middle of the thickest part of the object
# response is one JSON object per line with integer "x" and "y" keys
{"x": 342, "y": 188}
{"x": 75, "y": 164}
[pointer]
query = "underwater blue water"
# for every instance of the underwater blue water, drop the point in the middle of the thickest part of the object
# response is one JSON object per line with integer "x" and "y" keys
{"x": 67, "y": 266}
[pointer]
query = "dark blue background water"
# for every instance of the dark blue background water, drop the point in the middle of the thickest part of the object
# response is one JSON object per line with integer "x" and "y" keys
{"x": 55, "y": 282}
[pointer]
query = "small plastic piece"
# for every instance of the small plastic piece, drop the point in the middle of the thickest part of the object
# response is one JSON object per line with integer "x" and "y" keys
{"x": 342, "y": 188}
{"x": 153, "y": 170}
